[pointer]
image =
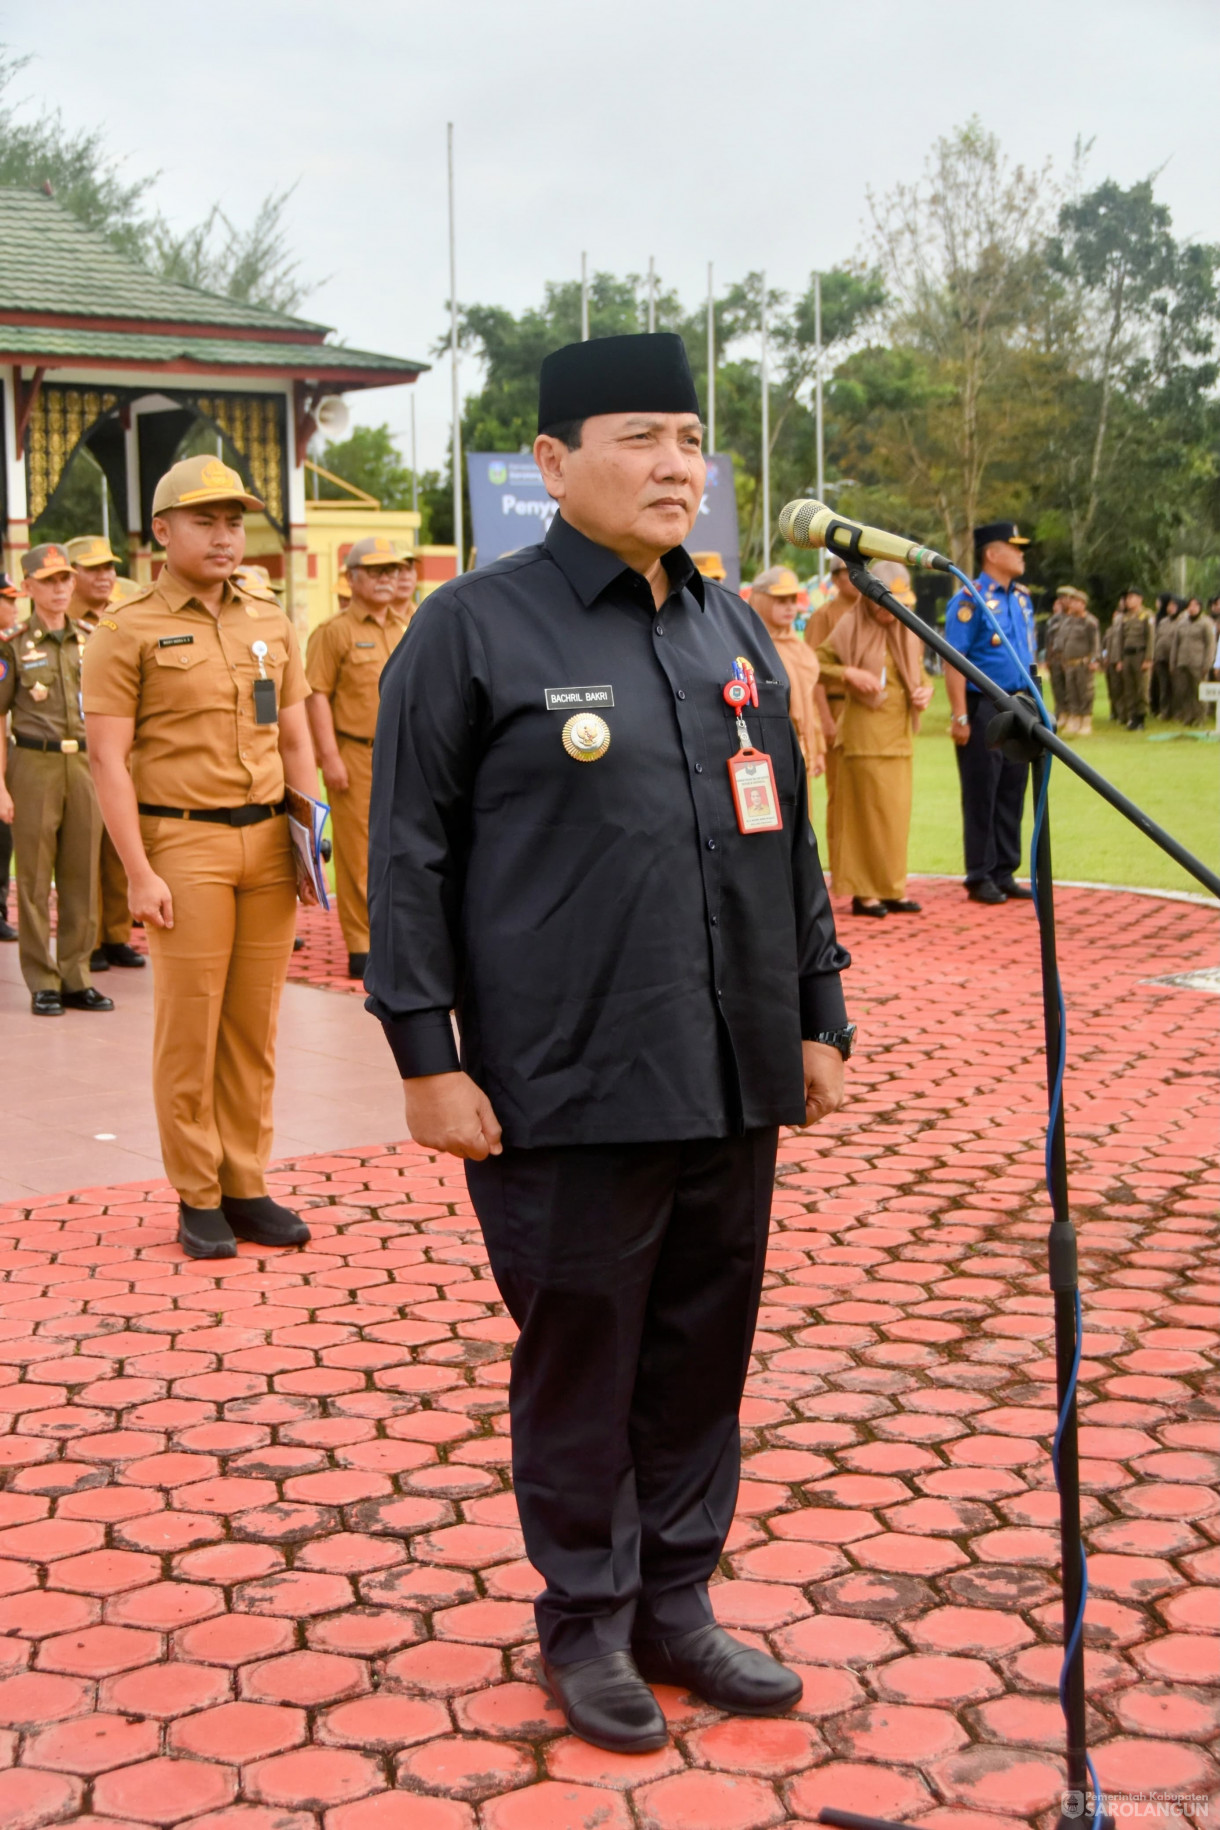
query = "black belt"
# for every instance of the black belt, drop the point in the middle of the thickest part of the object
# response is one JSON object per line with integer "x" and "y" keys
{"x": 64, "y": 746}
{"x": 349, "y": 738}
{"x": 216, "y": 816}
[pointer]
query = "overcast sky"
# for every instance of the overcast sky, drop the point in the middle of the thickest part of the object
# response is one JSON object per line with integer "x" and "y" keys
{"x": 744, "y": 132}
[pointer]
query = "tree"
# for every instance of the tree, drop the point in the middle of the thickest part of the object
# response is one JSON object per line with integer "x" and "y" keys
{"x": 42, "y": 151}
{"x": 39, "y": 152}
{"x": 937, "y": 411}
{"x": 1147, "y": 310}
{"x": 252, "y": 264}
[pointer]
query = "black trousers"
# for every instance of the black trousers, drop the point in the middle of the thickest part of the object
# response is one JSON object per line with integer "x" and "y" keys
{"x": 993, "y": 798}
{"x": 633, "y": 1272}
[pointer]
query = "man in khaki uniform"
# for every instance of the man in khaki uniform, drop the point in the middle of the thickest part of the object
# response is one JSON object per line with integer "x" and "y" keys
{"x": 1137, "y": 638}
{"x": 831, "y": 703}
{"x": 8, "y": 627}
{"x": 95, "y": 591}
{"x": 773, "y": 598}
{"x": 1111, "y": 655}
{"x": 1079, "y": 648}
{"x": 343, "y": 665}
{"x": 1051, "y": 642}
{"x": 405, "y": 582}
{"x": 193, "y": 696}
{"x": 49, "y": 797}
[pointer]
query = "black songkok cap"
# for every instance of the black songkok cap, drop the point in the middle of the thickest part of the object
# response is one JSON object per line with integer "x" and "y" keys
{"x": 641, "y": 374}
{"x": 999, "y": 530}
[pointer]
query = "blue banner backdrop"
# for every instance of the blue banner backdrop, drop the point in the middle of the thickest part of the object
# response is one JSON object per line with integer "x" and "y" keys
{"x": 509, "y": 508}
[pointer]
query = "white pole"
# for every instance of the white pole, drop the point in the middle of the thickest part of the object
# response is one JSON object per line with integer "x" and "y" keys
{"x": 584, "y": 298}
{"x": 652, "y": 293}
{"x": 105, "y": 508}
{"x": 711, "y": 363}
{"x": 459, "y": 532}
{"x": 414, "y": 465}
{"x": 817, "y": 373}
{"x": 766, "y": 435}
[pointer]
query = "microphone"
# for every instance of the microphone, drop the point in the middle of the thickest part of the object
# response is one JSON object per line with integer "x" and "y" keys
{"x": 813, "y": 524}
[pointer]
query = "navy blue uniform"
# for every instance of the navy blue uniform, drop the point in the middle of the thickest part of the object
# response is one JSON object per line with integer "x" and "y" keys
{"x": 993, "y": 788}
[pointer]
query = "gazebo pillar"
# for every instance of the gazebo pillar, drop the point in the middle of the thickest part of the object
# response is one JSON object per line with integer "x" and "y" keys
{"x": 17, "y": 531}
{"x": 296, "y": 552}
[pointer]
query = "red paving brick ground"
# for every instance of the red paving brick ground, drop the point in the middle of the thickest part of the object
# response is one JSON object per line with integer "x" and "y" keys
{"x": 259, "y": 1558}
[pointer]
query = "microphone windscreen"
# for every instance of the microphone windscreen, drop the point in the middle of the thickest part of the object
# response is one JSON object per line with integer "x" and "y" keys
{"x": 796, "y": 523}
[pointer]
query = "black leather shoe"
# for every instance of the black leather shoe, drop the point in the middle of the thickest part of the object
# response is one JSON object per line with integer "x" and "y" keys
{"x": 607, "y": 1703}
{"x": 47, "y": 1004}
{"x": 118, "y": 953}
{"x": 7, "y": 930}
{"x": 262, "y": 1221}
{"x": 98, "y": 961}
{"x": 985, "y": 892}
{"x": 860, "y": 907}
{"x": 356, "y": 962}
{"x": 298, "y": 945}
{"x": 203, "y": 1232}
{"x": 88, "y": 999}
{"x": 1015, "y": 892}
{"x": 721, "y": 1670}
{"x": 902, "y": 905}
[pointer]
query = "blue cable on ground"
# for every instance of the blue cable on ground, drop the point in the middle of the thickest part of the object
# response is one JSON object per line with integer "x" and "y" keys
{"x": 1054, "y": 1104}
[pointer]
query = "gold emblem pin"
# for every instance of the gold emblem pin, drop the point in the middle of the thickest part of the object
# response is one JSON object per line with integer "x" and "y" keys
{"x": 586, "y": 737}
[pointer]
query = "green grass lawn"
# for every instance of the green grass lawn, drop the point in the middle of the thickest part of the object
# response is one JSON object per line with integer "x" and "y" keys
{"x": 1175, "y": 781}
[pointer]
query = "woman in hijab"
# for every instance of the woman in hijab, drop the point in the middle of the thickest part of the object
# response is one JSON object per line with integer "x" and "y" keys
{"x": 878, "y": 663}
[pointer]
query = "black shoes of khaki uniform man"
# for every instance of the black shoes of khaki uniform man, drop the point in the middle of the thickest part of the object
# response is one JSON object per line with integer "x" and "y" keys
{"x": 115, "y": 953}
{"x": 54, "y": 1003}
{"x": 213, "y": 1232}
{"x": 606, "y": 1701}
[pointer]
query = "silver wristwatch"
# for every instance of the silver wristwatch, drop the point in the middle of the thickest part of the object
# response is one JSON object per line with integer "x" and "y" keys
{"x": 842, "y": 1039}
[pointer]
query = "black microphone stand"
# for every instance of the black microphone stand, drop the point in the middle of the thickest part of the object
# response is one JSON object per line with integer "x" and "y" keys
{"x": 1019, "y": 731}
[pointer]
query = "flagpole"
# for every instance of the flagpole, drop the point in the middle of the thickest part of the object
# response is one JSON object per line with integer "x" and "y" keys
{"x": 652, "y": 293}
{"x": 711, "y": 363}
{"x": 584, "y": 298}
{"x": 414, "y": 465}
{"x": 766, "y": 435}
{"x": 817, "y": 372}
{"x": 459, "y": 532}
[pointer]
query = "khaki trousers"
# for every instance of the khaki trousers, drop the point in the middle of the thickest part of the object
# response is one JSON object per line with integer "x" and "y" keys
{"x": 56, "y": 824}
{"x": 834, "y": 763}
{"x": 217, "y": 978}
{"x": 1187, "y": 708}
{"x": 1078, "y": 689}
{"x": 114, "y": 919}
{"x": 349, "y": 814}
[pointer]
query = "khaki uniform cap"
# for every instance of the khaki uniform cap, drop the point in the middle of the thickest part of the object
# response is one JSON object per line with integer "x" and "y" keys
{"x": 777, "y": 581}
{"x": 199, "y": 480}
{"x": 711, "y": 565}
{"x": 46, "y": 561}
{"x": 89, "y": 550}
{"x": 125, "y": 588}
{"x": 375, "y": 550}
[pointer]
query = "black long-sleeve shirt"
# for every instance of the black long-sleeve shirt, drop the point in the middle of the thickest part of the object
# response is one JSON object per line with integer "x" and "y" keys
{"x": 625, "y": 965}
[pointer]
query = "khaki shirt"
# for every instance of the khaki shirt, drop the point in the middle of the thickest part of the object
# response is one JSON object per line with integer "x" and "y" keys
{"x": 1194, "y": 643}
{"x": 802, "y": 668}
{"x": 817, "y": 630}
{"x": 1079, "y": 639}
{"x": 344, "y": 662}
{"x": 40, "y": 680}
{"x": 187, "y": 678}
{"x": 1136, "y": 636}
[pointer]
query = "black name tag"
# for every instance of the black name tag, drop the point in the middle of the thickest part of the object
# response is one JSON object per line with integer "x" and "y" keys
{"x": 264, "y": 702}
{"x": 174, "y": 641}
{"x": 576, "y": 698}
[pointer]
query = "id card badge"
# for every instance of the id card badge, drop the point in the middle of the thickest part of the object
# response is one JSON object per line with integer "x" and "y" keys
{"x": 265, "y": 711}
{"x": 752, "y": 780}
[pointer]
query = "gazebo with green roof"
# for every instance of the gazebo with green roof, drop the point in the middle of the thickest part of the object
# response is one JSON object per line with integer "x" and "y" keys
{"x": 97, "y": 354}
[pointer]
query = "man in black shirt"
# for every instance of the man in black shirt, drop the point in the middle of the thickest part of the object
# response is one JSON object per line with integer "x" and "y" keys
{"x": 577, "y": 845}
